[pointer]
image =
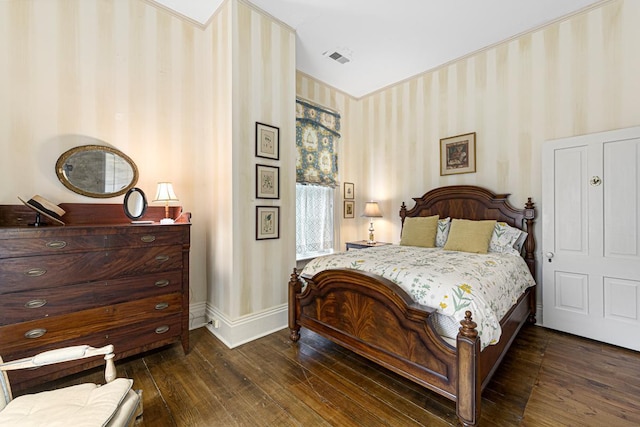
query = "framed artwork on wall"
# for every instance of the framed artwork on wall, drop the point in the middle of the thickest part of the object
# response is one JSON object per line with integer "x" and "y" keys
{"x": 349, "y": 209}
{"x": 267, "y": 222}
{"x": 267, "y": 182}
{"x": 267, "y": 141}
{"x": 349, "y": 190}
{"x": 458, "y": 154}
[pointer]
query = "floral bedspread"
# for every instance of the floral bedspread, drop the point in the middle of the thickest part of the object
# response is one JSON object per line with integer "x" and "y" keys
{"x": 453, "y": 282}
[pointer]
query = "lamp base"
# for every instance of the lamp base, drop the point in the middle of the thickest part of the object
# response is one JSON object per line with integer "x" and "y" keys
{"x": 167, "y": 221}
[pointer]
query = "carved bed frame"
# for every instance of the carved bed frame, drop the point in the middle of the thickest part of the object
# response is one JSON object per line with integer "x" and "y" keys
{"x": 375, "y": 318}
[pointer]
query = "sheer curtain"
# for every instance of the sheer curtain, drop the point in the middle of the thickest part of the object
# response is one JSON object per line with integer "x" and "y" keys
{"x": 314, "y": 220}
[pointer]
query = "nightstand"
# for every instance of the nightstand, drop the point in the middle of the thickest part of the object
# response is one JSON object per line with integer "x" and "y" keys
{"x": 363, "y": 244}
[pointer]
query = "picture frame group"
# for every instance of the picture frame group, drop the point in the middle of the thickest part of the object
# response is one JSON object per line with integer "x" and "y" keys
{"x": 349, "y": 202}
{"x": 267, "y": 145}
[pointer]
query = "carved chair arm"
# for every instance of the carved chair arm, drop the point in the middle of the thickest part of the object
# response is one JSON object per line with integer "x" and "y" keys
{"x": 65, "y": 354}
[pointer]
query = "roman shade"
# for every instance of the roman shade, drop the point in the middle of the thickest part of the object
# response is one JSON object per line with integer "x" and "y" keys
{"x": 317, "y": 135}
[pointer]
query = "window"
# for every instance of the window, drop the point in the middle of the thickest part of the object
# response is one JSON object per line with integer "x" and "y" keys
{"x": 314, "y": 220}
{"x": 317, "y": 136}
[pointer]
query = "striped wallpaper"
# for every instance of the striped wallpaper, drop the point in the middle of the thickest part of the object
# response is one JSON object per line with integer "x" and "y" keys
{"x": 576, "y": 76}
{"x": 182, "y": 101}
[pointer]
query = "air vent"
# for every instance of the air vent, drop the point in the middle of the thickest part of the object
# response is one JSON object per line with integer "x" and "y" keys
{"x": 342, "y": 58}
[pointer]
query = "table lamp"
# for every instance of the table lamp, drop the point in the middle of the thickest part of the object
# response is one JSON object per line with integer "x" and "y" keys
{"x": 165, "y": 194}
{"x": 371, "y": 210}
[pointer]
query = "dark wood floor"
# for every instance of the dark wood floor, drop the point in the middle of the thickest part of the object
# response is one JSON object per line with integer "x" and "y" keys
{"x": 547, "y": 379}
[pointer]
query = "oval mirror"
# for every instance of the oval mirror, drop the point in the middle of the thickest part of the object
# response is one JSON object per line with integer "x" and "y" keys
{"x": 135, "y": 203}
{"x": 96, "y": 171}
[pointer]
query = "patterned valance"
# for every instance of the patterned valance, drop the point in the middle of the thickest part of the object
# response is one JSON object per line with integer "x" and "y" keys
{"x": 317, "y": 135}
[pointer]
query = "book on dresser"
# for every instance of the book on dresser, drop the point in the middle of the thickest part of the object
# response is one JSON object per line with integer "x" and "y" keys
{"x": 97, "y": 280}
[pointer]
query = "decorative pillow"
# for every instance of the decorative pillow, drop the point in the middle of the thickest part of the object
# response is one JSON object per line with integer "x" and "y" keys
{"x": 443, "y": 231}
{"x": 470, "y": 236}
{"x": 520, "y": 242}
{"x": 504, "y": 239}
{"x": 419, "y": 231}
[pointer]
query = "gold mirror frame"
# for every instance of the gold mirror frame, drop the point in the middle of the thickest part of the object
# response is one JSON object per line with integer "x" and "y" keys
{"x": 64, "y": 158}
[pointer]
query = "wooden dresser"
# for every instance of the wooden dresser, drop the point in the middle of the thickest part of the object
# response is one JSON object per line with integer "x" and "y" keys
{"x": 98, "y": 280}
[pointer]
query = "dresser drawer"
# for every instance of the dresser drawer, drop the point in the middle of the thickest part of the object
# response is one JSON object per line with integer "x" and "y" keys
{"x": 23, "y": 337}
{"x": 42, "y": 272}
{"x": 142, "y": 237}
{"x": 24, "y": 306}
{"x": 127, "y": 340}
{"x": 55, "y": 244}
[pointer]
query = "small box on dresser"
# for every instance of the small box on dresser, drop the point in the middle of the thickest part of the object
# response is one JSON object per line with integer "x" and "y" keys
{"x": 97, "y": 283}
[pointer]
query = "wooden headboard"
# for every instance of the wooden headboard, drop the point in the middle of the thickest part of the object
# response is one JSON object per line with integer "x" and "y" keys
{"x": 477, "y": 203}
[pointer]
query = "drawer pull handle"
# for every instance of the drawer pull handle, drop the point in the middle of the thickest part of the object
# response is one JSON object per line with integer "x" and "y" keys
{"x": 56, "y": 244}
{"x": 162, "y": 258}
{"x": 35, "y": 272}
{"x": 36, "y": 303}
{"x": 162, "y": 305}
{"x": 162, "y": 283}
{"x": 35, "y": 333}
{"x": 162, "y": 329}
{"x": 148, "y": 238}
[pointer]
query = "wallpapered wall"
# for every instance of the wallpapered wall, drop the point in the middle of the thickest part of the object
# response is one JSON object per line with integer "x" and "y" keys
{"x": 572, "y": 77}
{"x": 182, "y": 102}
{"x": 178, "y": 99}
{"x": 122, "y": 73}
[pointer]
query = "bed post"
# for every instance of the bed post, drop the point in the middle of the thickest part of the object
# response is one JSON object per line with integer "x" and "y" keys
{"x": 469, "y": 387}
{"x": 529, "y": 254}
{"x": 295, "y": 286}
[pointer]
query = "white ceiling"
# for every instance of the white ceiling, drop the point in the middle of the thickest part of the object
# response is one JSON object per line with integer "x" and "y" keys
{"x": 390, "y": 41}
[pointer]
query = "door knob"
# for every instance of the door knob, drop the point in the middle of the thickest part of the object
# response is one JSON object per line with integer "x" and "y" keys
{"x": 549, "y": 255}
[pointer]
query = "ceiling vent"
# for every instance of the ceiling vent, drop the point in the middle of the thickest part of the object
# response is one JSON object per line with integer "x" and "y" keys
{"x": 337, "y": 56}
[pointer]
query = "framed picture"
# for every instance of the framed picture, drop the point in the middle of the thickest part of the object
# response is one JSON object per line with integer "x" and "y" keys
{"x": 349, "y": 191}
{"x": 267, "y": 222}
{"x": 267, "y": 141}
{"x": 349, "y": 209}
{"x": 267, "y": 182}
{"x": 458, "y": 154}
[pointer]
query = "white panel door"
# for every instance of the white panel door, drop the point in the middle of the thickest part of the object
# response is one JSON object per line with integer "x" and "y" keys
{"x": 591, "y": 236}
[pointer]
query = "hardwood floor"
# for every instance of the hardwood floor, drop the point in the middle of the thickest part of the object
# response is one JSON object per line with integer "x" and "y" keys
{"x": 547, "y": 379}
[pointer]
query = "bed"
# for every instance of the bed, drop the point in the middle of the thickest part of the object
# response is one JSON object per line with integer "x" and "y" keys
{"x": 377, "y": 319}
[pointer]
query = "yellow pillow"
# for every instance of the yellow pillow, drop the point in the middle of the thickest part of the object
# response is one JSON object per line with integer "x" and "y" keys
{"x": 470, "y": 236}
{"x": 420, "y": 231}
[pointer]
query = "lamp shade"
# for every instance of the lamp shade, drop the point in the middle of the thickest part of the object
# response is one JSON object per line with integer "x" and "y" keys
{"x": 165, "y": 193}
{"x": 372, "y": 210}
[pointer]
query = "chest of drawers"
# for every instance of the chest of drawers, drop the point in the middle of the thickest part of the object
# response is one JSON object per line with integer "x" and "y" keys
{"x": 120, "y": 284}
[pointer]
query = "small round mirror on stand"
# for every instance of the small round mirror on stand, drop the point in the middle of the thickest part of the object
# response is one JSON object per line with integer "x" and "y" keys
{"x": 135, "y": 203}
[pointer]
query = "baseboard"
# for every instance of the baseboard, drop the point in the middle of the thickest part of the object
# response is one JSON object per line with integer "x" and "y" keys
{"x": 539, "y": 316}
{"x": 197, "y": 315}
{"x": 247, "y": 328}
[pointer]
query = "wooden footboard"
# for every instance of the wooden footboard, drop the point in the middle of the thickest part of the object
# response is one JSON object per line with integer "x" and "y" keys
{"x": 375, "y": 318}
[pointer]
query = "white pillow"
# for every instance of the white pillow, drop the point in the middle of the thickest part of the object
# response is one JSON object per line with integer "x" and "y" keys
{"x": 520, "y": 242}
{"x": 442, "y": 233}
{"x": 504, "y": 239}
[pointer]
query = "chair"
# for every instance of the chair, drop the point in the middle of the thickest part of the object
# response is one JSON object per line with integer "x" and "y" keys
{"x": 112, "y": 404}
